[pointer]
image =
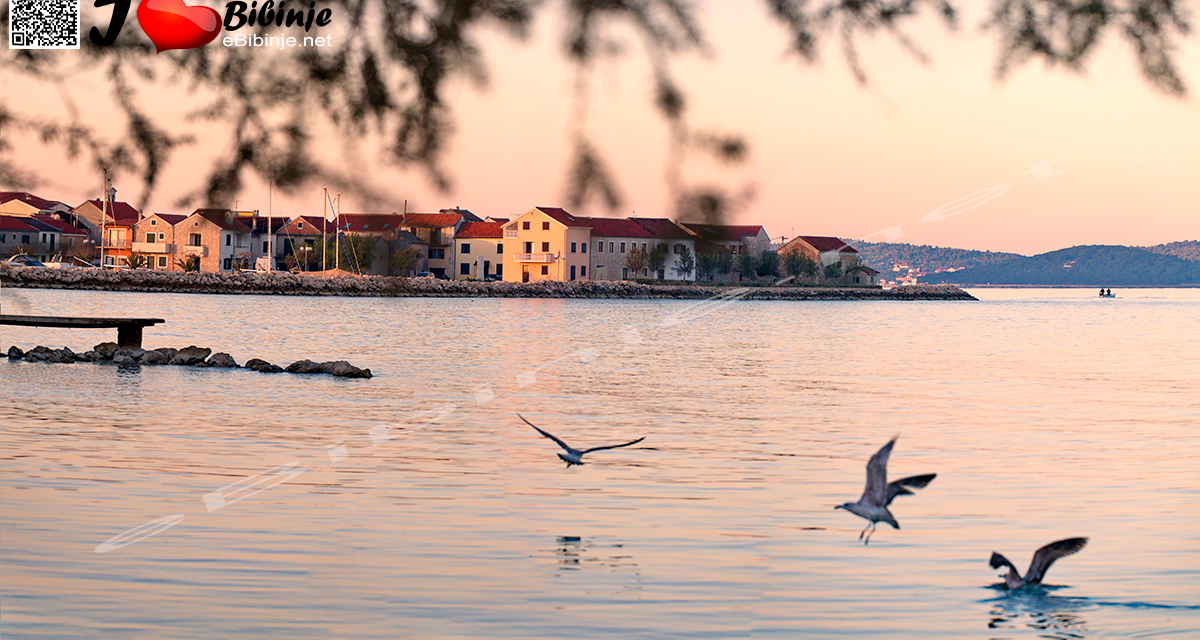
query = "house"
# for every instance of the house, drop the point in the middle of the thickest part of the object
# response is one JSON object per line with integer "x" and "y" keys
{"x": 611, "y": 240}
{"x": 266, "y": 238}
{"x": 479, "y": 247}
{"x": 301, "y": 235}
{"x": 437, "y": 232}
{"x": 24, "y": 205}
{"x": 680, "y": 242}
{"x": 825, "y": 250}
{"x": 71, "y": 241}
{"x": 738, "y": 239}
{"x": 862, "y": 274}
{"x": 114, "y": 220}
{"x": 154, "y": 238}
{"x": 218, "y": 238}
{"x": 17, "y": 235}
{"x": 384, "y": 227}
{"x": 546, "y": 243}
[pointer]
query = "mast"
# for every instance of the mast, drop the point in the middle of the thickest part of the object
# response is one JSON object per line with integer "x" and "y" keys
{"x": 103, "y": 216}
{"x": 324, "y": 224}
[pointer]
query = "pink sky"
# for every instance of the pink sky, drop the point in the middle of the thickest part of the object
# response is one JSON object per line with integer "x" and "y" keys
{"x": 827, "y": 157}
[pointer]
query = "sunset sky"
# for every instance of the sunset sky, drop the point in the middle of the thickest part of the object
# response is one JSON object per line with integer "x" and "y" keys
{"x": 827, "y": 156}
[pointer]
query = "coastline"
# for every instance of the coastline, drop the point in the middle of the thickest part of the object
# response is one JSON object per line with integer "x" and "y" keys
{"x": 282, "y": 283}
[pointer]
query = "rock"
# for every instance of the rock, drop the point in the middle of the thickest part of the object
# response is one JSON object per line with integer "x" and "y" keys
{"x": 15, "y": 353}
{"x": 304, "y": 366}
{"x": 221, "y": 360}
{"x": 344, "y": 369}
{"x": 40, "y": 354}
{"x": 106, "y": 350}
{"x": 263, "y": 366}
{"x": 64, "y": 355}
{"x": 154, "y": 357}
{"x": 123, "y": 359}
{"x": 89, "y": 356}
{"x": 133, "y": 352}
{"x": 192, "y": 356}
{"x": 168, "y": 352}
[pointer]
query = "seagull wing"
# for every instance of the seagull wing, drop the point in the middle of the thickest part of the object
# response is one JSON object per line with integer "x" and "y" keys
{"x": 899, "y": 487}
{"x": 546, "y": 433}
{"x": 1049, "y": 553}
{"x": 876, "y": 491}
{"x": 612, "y": 446}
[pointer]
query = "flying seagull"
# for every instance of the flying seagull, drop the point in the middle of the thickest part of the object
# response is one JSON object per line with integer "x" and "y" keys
{"x": 873, "y": 505}
{"x": 1041, "y": 562}
{"x": 574, "y": 456}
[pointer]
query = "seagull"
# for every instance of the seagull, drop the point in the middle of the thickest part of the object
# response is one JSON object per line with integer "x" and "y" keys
{"x": 574, "y": 456}
{"x": 873, "y": 505}
{"x": 1042, "y": 560}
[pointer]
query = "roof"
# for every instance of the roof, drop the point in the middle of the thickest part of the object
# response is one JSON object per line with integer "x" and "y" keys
{"x": 664, "y": 229}
{"x": 467, "y": 216}
{"x": 409, "y": 237}
{"x": 315, "y": 226}
{"x": 63, "y": 227}
{"x": 15, "y": 223}
{"x": 370, "y": 222}
{"x": 259, "y": 225}
{"x": 124, "y": 214}
{"x": 500, "y": 220}
{"x": 562, "y": 217}
{"x": 31, "y": 200}
{"x": 480, "y": 230}
{"x": 723, "y": 232}
{"x": 865, "y": 269}
{"x": 219, "y": 218}
{"x": 437, "y": 220}
{"x": 171, "y": 218}
{"x": 826, "y": 243}
{"x": 616, "y": 228}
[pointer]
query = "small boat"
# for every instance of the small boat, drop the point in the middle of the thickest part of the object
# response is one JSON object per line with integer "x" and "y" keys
{"x": 1108, "y": 295}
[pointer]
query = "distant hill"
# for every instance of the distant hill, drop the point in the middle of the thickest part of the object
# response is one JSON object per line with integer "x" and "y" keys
{"x": 1094, "y": 265}
{"x": 1188, "y": 249}
{"x": 882, "y": 256}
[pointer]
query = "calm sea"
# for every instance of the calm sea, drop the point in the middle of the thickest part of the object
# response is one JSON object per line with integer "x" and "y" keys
{"x": 417, "y": 505}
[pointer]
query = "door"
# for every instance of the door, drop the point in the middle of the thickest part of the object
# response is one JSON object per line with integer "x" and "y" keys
{"x": 524, "y": 273}
{"x": 572, "y": 272}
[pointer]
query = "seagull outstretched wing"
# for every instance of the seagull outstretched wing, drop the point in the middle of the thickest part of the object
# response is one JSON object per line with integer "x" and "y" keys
{"x": 1046, "y": 556}
{"x": 876, "y": 490}
{"x": 562, "y": 444}
{"x": 610, "y": 446}
{"x": 900, "y": 487}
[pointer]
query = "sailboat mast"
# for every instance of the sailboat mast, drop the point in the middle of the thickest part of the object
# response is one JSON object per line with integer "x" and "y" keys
{"x": 324, "y": 225}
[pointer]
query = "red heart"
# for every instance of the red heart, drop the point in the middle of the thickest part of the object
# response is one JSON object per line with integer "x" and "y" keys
{"x": 171, "y": 24}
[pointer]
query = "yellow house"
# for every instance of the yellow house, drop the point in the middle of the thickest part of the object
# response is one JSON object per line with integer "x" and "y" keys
{"x": 546, "y": 243}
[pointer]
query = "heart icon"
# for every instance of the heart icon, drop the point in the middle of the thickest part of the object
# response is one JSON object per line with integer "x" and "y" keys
{"x": 171, "y": 24}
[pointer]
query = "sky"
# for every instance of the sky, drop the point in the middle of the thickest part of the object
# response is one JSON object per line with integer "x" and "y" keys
{"x": 942, "y": 154}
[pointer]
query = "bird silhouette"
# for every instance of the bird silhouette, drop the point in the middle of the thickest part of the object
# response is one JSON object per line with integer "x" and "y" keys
{"x": 1042, "y": 559}
{"x": 878, "y": 494}
{"x": 574, "y": 456}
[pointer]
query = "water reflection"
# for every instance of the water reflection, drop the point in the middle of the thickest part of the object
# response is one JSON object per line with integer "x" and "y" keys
{"x": 1037, "y": 608}
{"x": 606, "y": 565}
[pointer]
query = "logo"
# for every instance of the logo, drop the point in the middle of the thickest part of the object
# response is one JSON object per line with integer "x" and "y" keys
{"x": 171, "y": 24}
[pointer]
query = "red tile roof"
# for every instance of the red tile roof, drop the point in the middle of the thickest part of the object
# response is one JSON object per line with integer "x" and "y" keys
{"x": 30, "y": 199}
{"x": 826, "y": 243}
{"x": 664, "y": 229}
{"x": 122, "y": 212}
{"x": 171, "y": 218}
{"x": 562, "y": 217}
{"x": 313, "y": 225}
{"x": 723, "y": 232}
{"x": 219, "y": 217}
{"x": 65, "y": 228}
{"x": 437, "y": 220}
{"x": 615, "y": 228}
{"x": 14, "y": 223}
{"x": 370, "y": 222}
{"x": 480, "y": 230}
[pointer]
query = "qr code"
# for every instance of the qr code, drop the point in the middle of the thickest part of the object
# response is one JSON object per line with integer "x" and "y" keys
{"x": 43, "y": 24}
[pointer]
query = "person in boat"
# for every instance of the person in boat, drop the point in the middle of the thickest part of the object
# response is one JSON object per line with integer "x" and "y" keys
{"x": 1102, "y": 293}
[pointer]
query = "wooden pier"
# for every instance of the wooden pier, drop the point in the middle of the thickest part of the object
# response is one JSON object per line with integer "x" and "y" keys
{"x": 129, "y": 330}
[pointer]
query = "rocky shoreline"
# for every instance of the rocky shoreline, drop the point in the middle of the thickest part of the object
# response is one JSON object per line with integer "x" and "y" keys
{"x": 191, "y": 356}
{"x": 281, "y": 283}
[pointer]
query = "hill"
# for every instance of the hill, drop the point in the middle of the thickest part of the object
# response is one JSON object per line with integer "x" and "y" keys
{"x": 1094, "y": 265}
{"x": 1188, "y": 249}
{"x": 922, "y": 258}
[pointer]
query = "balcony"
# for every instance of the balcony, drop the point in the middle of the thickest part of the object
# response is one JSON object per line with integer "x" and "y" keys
{"x": 191, "y": 250}
{"x": 153, "y": 247}
{"x": 510, "y": 233}
{"x": 534, "y": 257}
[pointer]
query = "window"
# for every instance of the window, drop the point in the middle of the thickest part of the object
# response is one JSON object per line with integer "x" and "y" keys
{"x": 622, "y": 247}
{"x": 300, "y": 224}
{"x": 528, "y": 247}
{"x": 228, "y": 241}
{"x": 525, "y": 226}
{"x": 855, "y": 279}
{"x": 499, "y": 269}
{"x": 266, "y": 246}
{"x": 162, "y": 236}
{"x": 162, "y": 261}
{"x": 24, "y": 239}
{"x": 678, "y": 249}
{"x": 149, "y": 237}
{"x": 153, "y": 223}
{"x": 545, "y": 226}
{"x": 545, "y": 247}
{"x": 194, "y": 240}
{"x": 583, "y": 271}
{"x": 466, "y": 247}
{"x": 437, "y": 254}
{"x": 572, "y": 272}
{"x": 545, "y": 270}
{"x": 572, "y": 248}
{"x": 643, "y": 245}
{"x": 43, "y": 238}
{"x": 583, "y": 245}
{"x": 70, "y": 241}
{"x": 464, "y": 269}
{"x": 499, "y": 247}
{"x": 624, "y": 273}
{"x": 227, "y": 263}
{"x": 610, "y": 247}
{"x": 600, "y": 247}
{"x": 1, "y": 238}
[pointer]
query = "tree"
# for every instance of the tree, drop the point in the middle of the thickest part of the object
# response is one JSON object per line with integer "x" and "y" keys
{"x": 768, "y": 265}
{"x": 833, "y": 271}
{"x": 706, "y": 265}
{"x": 354, "y": 252}
{"x": 405, "y": 261}
{"x": 656, "y": 259}
{"x": 685, "y": 264}
{"x": 747, "y": 266}
{"x": 723, "y": 261}
{"x": 636, "y": 260}
{"x": 388, "y": 83}
{"x": 190, "y": 263}
{"x": 137, "y": 261}
{"x": 796, "y": 263}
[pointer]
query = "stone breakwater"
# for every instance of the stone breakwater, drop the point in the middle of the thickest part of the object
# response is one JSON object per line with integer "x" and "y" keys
{"x": 192, "y": 356}
{"x": 280, "y": 283}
